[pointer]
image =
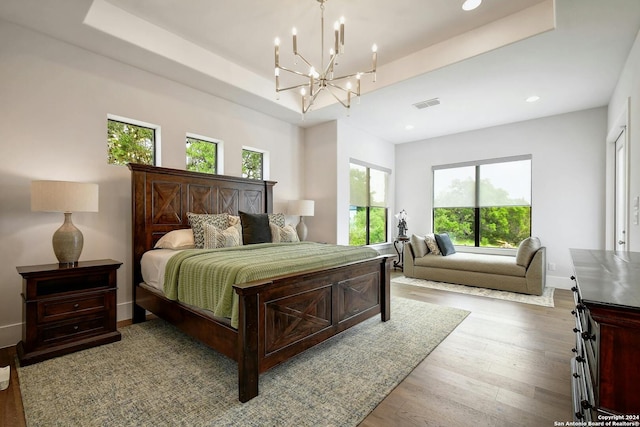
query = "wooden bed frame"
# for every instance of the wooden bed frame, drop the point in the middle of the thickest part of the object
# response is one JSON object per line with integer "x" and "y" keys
{"x": 279, "y": 317}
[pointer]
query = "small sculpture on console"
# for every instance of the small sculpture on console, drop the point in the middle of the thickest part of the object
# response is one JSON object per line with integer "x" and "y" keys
{"x": 402, "y": 223}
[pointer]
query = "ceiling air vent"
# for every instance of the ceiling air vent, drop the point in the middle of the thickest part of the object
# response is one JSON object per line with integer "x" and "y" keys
{"x": 428, "y": 103}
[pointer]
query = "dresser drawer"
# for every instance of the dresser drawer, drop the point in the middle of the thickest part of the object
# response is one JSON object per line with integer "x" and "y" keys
{"x": 52, "y": 310}
{"x": 71, "y": 330}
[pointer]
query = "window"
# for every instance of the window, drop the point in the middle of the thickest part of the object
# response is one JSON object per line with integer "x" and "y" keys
{"x": 484, "y": 203}
{"x": 202, "y": 155}
{"x": 252, "y": 164}
{"x": 130, "y": 142}
{"x": 368, "y": 205}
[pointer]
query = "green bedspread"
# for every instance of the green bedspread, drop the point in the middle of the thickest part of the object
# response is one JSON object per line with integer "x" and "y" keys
{"x": 205, "y": 277}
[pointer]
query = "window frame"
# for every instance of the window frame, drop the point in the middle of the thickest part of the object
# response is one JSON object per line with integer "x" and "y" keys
{"x": 368, "y": 167}
{"x": 218, "y": 148}
{"x": 157, "y": 160}
{"x": 477, "y": 226}
{"x": 264, "y": 162}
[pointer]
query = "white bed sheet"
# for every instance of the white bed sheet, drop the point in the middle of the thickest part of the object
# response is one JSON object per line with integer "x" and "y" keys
{"x": 153, "y": 264}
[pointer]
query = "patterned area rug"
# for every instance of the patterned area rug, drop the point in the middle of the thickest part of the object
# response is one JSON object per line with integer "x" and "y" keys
{"x": 546, "y": 299}
{"x": 157, "y": 376}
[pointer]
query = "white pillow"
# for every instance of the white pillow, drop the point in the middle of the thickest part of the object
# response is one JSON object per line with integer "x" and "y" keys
{"x": 177, "y": 239}
{"x": 216, "y": 238}
{"x": 286, "y": 234}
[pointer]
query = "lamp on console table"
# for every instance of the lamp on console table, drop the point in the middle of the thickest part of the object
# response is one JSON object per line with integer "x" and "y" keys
{"x": 301, "y": 208}
{"x": 66, "y": 197}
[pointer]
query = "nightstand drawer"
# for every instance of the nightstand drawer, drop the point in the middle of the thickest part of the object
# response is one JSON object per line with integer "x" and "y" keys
{"x": 71, "y": 330}
{"x": 59, "y": 309}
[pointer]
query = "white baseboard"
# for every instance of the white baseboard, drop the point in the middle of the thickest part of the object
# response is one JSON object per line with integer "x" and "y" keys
{"x": 10, "y": 334}
{"x": 559, "y": 282}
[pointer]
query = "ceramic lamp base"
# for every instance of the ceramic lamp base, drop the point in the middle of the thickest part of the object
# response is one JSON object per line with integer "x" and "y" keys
{"x": 301, "y": 228}
{"x": 67, "y": 242}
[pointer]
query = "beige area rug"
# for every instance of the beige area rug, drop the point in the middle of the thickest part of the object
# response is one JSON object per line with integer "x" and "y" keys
{"x": 157, "y": 376}
{"x": 546, "y": 299}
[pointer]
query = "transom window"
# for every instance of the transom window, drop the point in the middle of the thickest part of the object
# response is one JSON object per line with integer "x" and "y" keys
{"x": 130, "y": 142}
{"x": 252, "y": 164}
{"x": 485, "y": 203}
{"x": 202, "y": 155}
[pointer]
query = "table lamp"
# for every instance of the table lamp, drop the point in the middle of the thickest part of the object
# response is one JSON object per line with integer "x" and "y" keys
{"x": 66, "y": 197}
{"x": 301, "y": 208}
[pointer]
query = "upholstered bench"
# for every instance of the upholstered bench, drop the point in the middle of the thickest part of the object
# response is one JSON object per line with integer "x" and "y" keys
{"x": 524, "y": 273}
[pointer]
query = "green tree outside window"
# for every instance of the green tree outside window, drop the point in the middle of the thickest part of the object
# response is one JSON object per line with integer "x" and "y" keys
{"x": 486, "y": 204}
{"x": 368, "y": 206}
{"x": 252, "y": 164}
{"x": 202, "y": 155}
{"x": 127, "y": 143}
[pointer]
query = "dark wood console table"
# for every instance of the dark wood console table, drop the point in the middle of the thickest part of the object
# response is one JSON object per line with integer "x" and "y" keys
{"x": 606, "y": 366}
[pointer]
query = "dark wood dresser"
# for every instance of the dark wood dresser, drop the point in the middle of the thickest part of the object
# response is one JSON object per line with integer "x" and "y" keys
{"x": 606, "y": 365}
{"x": 67, "y": 309}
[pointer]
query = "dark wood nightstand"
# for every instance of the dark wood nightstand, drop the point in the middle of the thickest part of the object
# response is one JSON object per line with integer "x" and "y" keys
{"x": 67, "y": 309}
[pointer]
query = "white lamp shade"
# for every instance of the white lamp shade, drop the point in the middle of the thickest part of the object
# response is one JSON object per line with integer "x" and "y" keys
{"x": 64, "y": 196}
{"x": 301, "y": 207}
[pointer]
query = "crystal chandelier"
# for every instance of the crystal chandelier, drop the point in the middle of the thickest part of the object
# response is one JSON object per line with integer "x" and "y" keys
{"x": 323, "y": 78}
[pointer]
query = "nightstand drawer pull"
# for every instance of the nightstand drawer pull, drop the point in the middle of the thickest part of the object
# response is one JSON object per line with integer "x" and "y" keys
{"x": 76, "y": 306}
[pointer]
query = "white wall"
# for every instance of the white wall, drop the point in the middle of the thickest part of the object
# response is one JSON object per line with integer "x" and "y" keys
{"x": 320, "y": 181}
{"x": 568, "y": 178}
{"x": 624, "y": 102}
{"x": 328, "y": 150}
{"x": 54, "y": 101}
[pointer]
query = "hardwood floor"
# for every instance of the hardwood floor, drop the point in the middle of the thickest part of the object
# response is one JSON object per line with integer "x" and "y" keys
{"x": 506, "y": 364}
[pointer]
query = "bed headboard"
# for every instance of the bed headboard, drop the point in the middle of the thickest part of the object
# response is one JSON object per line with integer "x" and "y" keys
{"x": 161, "y": 198}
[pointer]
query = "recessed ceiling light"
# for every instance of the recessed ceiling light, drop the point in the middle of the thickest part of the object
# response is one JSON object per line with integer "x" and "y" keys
{"x": 408, "y": 127}
{"x": 471, "y": 4}
{"x": 533, "y": 98}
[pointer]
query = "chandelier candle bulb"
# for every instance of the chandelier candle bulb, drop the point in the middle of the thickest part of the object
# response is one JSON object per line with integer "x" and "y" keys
{"x": 342, "y": 34}
{"x": 294, "y": 33}
{"x": 277, "y": 51}
{"x": 336, "y": 28}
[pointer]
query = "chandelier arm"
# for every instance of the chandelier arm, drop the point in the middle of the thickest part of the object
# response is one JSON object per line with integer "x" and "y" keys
{"x": 293, "y": 71}
{"x": 338, "y": 87}
{"x": 330, "y": 64}
{"x": 311, "y": 101}
{"x": 284, "y": 89}
{"x": 350, "y": 76}
{"x": 304, "y": 60}
{"x": 345, "y": 105}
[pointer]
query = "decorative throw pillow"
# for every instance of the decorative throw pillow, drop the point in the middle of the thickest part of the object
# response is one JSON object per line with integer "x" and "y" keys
{"x": 444, "y": 244}
{"x": 419, "y": 246}
{"x": 216, "y": 238}
{"x": 177, "y": 239}
{"x": 526, "y": 250}
{"x": 277, "y": 219}
{"x": 197, "y": 222}
{"x": 286, "y": 234}
{"x": 255, "y": 228}
{"x": 234, "y": 221}
{"x": 430, "y": 240}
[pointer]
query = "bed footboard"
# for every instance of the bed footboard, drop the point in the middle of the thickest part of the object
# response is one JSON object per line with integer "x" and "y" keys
{"x": 282, "y": 317}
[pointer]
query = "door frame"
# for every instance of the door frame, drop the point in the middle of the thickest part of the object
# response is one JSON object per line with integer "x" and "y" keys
{"x": 621, "y": 123}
